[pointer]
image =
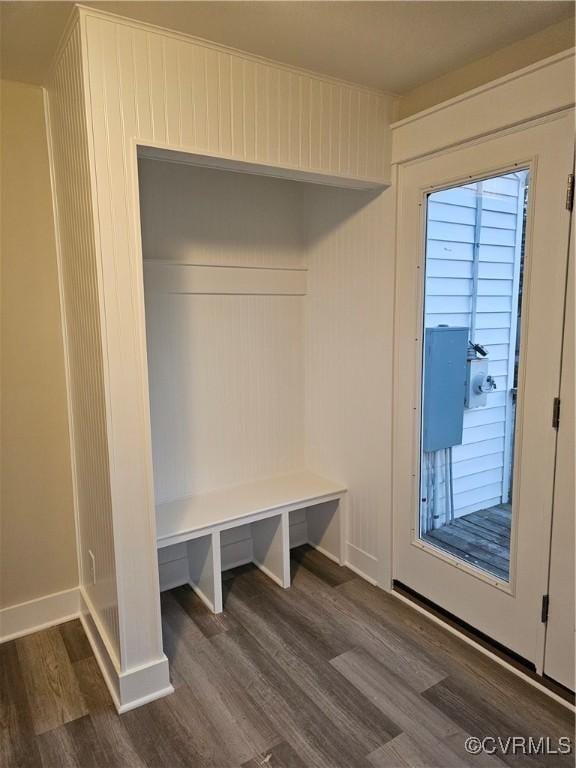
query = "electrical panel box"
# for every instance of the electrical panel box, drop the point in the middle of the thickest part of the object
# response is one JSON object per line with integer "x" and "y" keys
{"x": 445, "y": 355}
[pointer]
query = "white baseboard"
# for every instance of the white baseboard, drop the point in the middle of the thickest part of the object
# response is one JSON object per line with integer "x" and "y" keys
{"x": 107, "y": 661}
{"x": 41, "y": 613}
{"x": 143, "y": 684}
{"x": 129, "y": 688}
{"x": 362, "y": 563}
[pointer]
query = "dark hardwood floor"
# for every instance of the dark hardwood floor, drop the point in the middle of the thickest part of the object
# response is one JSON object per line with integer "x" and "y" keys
{"x": 481, "y": 538}
{"x": 330, "y": 673}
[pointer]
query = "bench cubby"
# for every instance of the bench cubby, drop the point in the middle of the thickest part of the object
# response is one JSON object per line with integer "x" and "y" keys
{"x": 265, "y": 507}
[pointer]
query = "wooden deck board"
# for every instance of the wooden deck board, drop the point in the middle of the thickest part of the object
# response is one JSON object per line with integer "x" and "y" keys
{"x": 480, "y": 538}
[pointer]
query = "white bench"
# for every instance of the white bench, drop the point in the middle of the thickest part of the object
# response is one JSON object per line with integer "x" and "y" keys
{"x": 265, "y": 505}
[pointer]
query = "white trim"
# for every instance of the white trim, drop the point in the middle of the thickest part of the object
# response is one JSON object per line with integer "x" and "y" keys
{"x": 362, "y": 563}
{"x": 510, "y": 77}
{"x": 153, "y": 150}
{"x": 87, "y": 608}
{"x": 40, "y": 613}
{"x": 362, "y": 575}
{"x": 139, "y": 702}
{"x": 510, "y": 404}
{"x": 482, "y": 138}
{"x": 145, "y": 683}
{"x": 130, "y": 688}
{"x": 511, "y": 102}
{"x": 479, "y": 647}
{"x": 105, "y": 662}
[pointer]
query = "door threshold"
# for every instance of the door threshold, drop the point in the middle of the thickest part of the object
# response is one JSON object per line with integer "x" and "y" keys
{"x": 496, "y": 651}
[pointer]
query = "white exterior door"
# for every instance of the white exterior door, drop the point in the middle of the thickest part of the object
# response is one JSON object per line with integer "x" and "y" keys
{"x": 440, "y": 480}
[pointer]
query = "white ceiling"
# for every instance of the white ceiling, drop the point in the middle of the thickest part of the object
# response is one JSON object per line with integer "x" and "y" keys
{"x": 391, "y": 45}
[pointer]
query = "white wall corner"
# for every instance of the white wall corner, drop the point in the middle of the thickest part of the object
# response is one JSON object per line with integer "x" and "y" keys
{"x": 41, "y": 613}
{"x": 128, "y": 688}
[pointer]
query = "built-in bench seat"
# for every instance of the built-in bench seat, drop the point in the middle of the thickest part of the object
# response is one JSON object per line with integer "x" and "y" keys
{"x": 265, "y": 505}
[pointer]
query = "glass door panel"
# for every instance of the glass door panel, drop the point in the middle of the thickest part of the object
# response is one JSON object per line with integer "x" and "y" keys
{"x": 475, "y": 235}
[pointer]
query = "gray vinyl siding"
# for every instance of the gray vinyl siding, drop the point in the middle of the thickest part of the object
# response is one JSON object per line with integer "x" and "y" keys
{"x": 481, "y": 463}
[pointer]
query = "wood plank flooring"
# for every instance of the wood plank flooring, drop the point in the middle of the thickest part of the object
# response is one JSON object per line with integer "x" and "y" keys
{"x": 481, "y": 538}
{"x": 332, "y": 673}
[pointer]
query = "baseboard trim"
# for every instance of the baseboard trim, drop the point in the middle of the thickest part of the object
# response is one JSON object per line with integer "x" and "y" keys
{"x": 129, "y": 688}
{"x": 362, "y": 563}
{"x": 105, "y": 661}
{"x": 483, "y": 649}
{"x": 135, "y": 703}
{"x": 41, "y": 613}
{"x": 143, "y": 684}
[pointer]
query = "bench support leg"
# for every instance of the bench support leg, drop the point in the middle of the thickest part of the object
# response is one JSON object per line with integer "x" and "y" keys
{"x": 205, "y": 570}
{"x": 271, "y": 547}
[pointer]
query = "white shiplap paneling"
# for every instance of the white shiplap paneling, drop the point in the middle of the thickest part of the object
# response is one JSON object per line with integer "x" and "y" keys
{"x": 154, "y": 87}
{"x": 192, "y": 95}
{"x": 224, "y": 317}
{"x": 211, "y": 429}
{"x": 349, "y": 310}
{"x": 226, "y": 390}
{"x": 81, "y": 311}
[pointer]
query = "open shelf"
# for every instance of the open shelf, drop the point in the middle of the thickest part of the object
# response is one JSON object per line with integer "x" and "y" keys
{"x": 264, "y": 506}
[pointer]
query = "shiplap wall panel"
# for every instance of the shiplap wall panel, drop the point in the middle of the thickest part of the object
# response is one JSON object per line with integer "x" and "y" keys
{"x": 226, "y": 390}
{"x": 114, "y": 119}
{"x": 278, "y": 228}
{"x": 81, "y": 310}
{"x": 349, "y": 308}
{"x": 224, "y": 319}
{"x": 195, "y": 96}
{"x": 154, "y": 87}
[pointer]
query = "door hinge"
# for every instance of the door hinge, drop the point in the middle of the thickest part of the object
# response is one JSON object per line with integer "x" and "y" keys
{"x": 545, "y": 608}
{"x": 570, "y": 192}
{"x": 556, "y": 413}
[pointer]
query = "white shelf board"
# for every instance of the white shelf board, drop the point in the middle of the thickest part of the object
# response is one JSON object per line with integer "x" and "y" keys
{"x": 193, "y": 516}
{"x": 157, "y": 151}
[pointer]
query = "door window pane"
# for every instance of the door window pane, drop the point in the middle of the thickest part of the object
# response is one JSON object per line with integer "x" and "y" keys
{"x": 472, "y": 313}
